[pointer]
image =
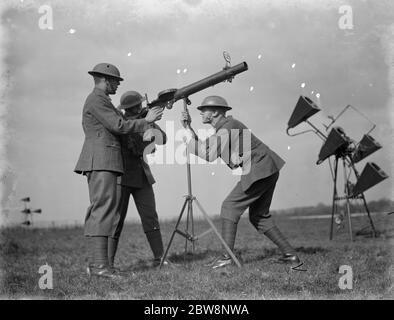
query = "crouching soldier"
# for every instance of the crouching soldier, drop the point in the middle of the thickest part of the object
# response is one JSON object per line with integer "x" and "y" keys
{"x": 260, "y": 172}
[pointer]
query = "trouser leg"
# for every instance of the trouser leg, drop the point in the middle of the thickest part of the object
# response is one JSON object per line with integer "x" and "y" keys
{"x": 112, "y": 248}
{"x": 101, "y": 216}
{"x": 146, "y": 206}
{"x": 260, "y": 217}
{"x": 232, "y": 209}
{"x": 123, "y": 196}
{"x": 155, "y": 243}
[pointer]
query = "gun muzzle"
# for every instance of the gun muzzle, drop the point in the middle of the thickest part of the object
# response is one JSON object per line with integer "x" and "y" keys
{"x": 226, "y": 74}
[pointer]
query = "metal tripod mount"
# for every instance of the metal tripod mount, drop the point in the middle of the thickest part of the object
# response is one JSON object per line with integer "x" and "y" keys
{"x": 188, "y": 234}
{"x": 348, "y": 164}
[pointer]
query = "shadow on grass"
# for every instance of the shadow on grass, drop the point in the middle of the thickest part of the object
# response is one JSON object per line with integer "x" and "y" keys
{"x": 176, "y": 260}
{"x": 140, "y": 265}
{"x": 311, "y": 250}
{"x": 246, "y": 256}
{"x": 368, "y": 233}
{"x": 191, "y": 257}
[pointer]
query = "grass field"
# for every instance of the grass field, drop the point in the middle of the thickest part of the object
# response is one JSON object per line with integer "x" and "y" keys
{"x": 25, "y": 250}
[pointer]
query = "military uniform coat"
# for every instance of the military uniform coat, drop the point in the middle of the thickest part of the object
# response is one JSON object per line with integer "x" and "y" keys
{"x": 101, "y": 160}
{"x": 258, "y": 160}
{"x": 136, "y": 168}
{"x": 138, "y": 179}
{"x": 102, "y": 124}
{"x": 237, "y": 146}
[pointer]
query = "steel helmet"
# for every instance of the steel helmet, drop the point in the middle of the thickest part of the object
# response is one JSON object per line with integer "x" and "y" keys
{"x": 106, "y": 69}
{"x": 130, "y": 99}
{"x": 214, "y": 101}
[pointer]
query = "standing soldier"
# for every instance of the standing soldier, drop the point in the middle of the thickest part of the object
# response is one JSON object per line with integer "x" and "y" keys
{"x": 101, "y": 162}
{"x": 138, "y": 179}
{"x": 260, "y": 166}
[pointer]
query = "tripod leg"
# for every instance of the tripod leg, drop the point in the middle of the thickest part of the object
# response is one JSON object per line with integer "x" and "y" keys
{"x": 189, "y": 224}
{"x": 189, "y": 189}
{"x": 333, "y": 212}
{"x": 192, "y": 223}
{"x": 365, "y": 201}
{"x": 347, "y": 201}
{"x": 369, "y": 215}
{"x": 334, "y": 207}
{"x": 349, "y": 219}
{"x": 231, "y": 254}
{"x": 173, "y": 233}
{"x": 187, "y": 229}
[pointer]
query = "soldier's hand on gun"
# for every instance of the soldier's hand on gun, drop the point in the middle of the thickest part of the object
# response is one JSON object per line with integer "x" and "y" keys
{"x": 154, "y": 114}
{"x": 185, "y": 118}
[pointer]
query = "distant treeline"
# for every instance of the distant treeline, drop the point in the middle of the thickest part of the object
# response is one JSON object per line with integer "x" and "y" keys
{"x": 382, "y": 205}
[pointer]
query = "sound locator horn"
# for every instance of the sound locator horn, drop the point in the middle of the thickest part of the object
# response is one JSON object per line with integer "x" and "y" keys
{"x": 304, "y": 109}
{"x": 367, "y": 146}
{"x": 337, "y": 142}
{"x": 370, "y": 176}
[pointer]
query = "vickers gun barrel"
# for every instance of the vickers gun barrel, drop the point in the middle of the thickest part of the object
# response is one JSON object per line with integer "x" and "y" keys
{"x": 168, "y": 97}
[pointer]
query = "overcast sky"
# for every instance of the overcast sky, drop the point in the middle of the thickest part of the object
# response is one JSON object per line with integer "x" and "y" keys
{"x": 169, "y": 44}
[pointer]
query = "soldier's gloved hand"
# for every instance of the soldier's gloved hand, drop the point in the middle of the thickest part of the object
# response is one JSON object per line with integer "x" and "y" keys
{"x": 154, "y": 114}
{"x": 148, "y": 136}
{"x": 185, "y": 119}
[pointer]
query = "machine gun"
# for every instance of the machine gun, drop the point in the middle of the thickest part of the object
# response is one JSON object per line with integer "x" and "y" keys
{"x": 167, "y": 98}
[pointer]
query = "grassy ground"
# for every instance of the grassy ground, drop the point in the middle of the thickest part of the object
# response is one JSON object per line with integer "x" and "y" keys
{"x": 25, "y": 250}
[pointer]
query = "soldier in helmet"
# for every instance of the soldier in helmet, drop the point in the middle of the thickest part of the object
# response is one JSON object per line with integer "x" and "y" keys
{"x": 138, "y": 179}
{"x": 101, "y": 162}
{"x": 260, "y": 172}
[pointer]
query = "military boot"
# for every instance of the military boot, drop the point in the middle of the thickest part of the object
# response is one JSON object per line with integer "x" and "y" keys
{"x": 288, "y": 253}
{"x": 229, "y": 231}
{"x": 156, "y": 244}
